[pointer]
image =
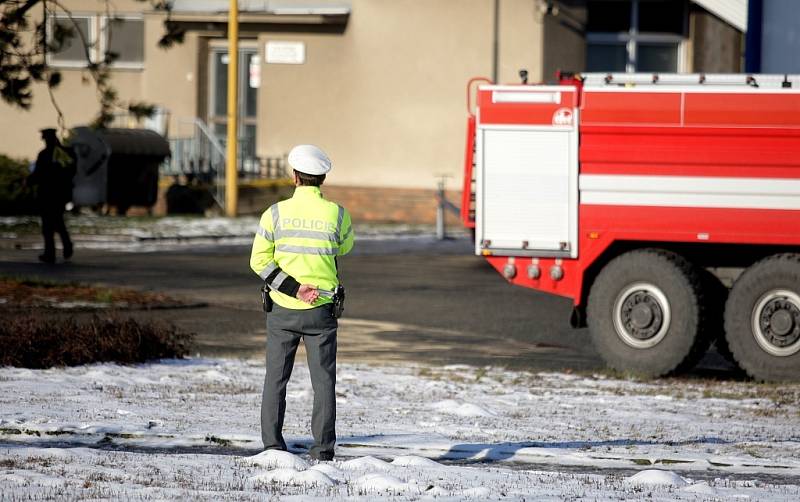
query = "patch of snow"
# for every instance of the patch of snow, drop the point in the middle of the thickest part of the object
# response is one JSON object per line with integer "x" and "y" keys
{"x": 283, "y": 476}
{"x": 657, "y": 477}
{"x": 415, "y": 461}
{"x": 329, "y": 470}
{"x": 274, "y": 459}
{"x": 453, "y": 407}
{"x": 215, "y": 375}
{"x": 177, "y": 232}
{"x": 365, "y": 464}
{"x": 374, "y": 482}
{"x": 23, "y": 478}
{"x": 480, "y": 492}
{"x": 702, "y": 488}
{"x": 68, "y": 305}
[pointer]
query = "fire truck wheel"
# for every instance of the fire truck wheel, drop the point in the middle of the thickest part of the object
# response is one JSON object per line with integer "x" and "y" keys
{"x": 762, "y": 319}
{"x": 645, "y": 313}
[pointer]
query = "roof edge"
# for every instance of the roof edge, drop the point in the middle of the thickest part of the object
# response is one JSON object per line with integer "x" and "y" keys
{"x": 733, "y": 12}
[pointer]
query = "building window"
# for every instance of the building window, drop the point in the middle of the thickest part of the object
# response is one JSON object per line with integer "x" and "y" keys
{"x": 636, "y": 35}
{"x": 123, "y": 37}
{"x": 70, "y": 39}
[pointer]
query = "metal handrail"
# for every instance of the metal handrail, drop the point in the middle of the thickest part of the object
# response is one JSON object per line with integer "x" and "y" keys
{"x": 202, "y": 153}
{"x": 205, "y": 155}
{"x": 210, "y": 136}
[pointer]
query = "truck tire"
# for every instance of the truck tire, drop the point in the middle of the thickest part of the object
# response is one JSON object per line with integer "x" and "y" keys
{"x": 762, "y": 319}
{"x": 646, "y": 313}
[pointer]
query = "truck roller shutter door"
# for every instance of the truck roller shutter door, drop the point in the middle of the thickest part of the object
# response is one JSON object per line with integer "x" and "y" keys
{"x": 527, "y": 172}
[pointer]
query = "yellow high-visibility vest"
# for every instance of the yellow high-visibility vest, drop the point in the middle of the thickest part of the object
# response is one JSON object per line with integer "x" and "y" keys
{"x": 303, "y": 236}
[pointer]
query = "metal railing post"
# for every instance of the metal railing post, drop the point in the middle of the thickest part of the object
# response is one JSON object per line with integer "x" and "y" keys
{"x": 443, "y": 205}
{"x": 440, "y": 230}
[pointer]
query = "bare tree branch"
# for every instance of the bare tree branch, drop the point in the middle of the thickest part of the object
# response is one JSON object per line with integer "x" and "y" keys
{"x": 23, "y": 63}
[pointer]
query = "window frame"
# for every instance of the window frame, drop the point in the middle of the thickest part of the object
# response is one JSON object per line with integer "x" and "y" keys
{"x": 632, "y": 38}
{"x": 53, "y": 60}
{"x": 103, "y": 43}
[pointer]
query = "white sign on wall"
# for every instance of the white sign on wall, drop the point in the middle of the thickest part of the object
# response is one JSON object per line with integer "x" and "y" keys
{"x": 254, "y": 72}
{"x": 281, "y": 52}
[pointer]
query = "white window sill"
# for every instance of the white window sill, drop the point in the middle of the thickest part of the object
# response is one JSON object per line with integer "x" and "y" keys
{"x": 68, "y": 65}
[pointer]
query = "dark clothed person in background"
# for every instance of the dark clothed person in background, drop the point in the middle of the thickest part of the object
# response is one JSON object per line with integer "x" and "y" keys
{"x": 52, "y": 177}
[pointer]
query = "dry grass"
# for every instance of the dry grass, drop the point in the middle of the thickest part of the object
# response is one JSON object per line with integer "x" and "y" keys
{"x": 21, "y": 292}
{"x": 31, "y": 342}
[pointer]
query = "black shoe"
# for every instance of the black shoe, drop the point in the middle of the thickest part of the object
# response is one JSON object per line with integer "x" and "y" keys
{"x": 323, "y": 456}
{"x": 68, "y": 251}
{"x": 45, "y": 258}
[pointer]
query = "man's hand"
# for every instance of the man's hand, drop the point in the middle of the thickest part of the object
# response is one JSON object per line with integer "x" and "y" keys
{"x": 308, "y": 293}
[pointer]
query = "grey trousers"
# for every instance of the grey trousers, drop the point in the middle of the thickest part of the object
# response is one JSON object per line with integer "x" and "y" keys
{"x": 285, "y": 328}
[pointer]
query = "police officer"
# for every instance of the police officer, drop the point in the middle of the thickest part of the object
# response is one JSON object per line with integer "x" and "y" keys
{"x": 53, "y": 174}
{"x": 294, "y": 252}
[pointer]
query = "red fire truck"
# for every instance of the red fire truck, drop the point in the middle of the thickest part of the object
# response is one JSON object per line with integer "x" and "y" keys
{"x": 667, "y": 207}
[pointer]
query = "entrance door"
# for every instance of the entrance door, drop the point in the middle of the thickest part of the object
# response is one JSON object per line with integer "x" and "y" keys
{"x": 249, "y": 81}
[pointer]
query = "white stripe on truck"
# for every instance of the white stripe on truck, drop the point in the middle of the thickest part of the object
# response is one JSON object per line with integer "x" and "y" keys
{"x": 690, "y": 191}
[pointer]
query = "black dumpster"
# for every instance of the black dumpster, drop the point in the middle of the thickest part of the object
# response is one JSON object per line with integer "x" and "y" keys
{"x": 133, "y": 165}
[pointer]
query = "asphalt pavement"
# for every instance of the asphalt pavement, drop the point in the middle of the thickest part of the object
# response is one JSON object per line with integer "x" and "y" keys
{"x": 411, "y": 299}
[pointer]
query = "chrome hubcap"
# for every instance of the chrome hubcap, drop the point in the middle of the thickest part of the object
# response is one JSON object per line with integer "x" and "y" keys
{"x": 776, "y": 322}
{"x": 641, "y": 315}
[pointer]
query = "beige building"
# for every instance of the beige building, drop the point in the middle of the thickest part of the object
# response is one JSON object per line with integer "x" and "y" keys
{"x": 378, "y": 84}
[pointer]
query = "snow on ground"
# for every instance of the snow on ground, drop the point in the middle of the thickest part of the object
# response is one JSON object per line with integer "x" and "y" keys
{"x": 178, "y": 232}
{"x": 189, "y": 429}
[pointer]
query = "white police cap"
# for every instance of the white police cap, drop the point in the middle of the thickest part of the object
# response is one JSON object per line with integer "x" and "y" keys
{"x": 309, "y": 159}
